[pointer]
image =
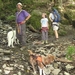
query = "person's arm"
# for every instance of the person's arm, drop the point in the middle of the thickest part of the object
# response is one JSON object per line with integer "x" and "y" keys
{"x": 51, "y": 17}
{"x": 51, "y": 20}
{"x": 41, "y": 26}
{"x": 48, "y": 25}
{"x": 41, "y": 23}
{"x": 27, "y": 18}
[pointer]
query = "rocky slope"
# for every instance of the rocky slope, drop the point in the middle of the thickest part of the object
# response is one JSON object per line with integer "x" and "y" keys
{"x": 15, "y": 61}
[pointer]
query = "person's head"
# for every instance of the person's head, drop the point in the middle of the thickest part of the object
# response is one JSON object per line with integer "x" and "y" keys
{"x": 43, "y": 15}
{"x": 19, "y": 6}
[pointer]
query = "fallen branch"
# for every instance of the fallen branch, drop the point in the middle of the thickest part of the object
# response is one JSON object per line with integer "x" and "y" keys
{"x": 63, "y": 60}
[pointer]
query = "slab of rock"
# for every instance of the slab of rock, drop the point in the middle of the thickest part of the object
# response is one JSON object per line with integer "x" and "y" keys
{"x": 69, "y": 67}
{"x": 65, "y": 73}
{"x": 6, "y": 58}
{"x": 56, "y": 71}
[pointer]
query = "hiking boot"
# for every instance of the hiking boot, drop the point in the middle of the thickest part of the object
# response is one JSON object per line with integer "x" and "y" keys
{"x": 56, "y": 40}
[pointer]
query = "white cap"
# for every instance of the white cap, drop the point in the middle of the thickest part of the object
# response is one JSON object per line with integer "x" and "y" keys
{"x": 19, "y": 3}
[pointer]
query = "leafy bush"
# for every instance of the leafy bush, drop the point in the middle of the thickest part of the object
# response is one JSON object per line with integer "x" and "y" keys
{"x": 70, "y": 6}
{"x": 10, "y": 18}
{"x": 68, "y": 15}
{"x": 70, "y": 52}
{"x": 1, "y": 4}
{"x": 65, "y": 21}
{"x": 27, "y": 1}
{"x": 35, "y": 21}
{"x": 62, "y": 32}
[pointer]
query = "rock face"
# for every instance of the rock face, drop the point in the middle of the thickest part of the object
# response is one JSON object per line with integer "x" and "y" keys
{"x": 15, "y": 61}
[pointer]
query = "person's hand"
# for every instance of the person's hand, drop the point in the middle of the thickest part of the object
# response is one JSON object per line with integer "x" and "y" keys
{"x": 23, "y": 22}
{"x": 51, "y": 20}
{"x": 48, "y": 27}
{"x": 18, "y": 30}
{"x": 16, "y": 25}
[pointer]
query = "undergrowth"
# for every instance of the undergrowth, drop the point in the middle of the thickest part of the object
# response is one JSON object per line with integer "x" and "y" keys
{"x": 70, "y": 52}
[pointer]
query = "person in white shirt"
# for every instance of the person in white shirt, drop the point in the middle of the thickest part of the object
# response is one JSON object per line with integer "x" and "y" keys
{"x": 44, "y": 28}
{"x": 55, "y": 25}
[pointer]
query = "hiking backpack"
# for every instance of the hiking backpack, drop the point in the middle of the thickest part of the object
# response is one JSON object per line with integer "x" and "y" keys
{"x": 56, "y": 15}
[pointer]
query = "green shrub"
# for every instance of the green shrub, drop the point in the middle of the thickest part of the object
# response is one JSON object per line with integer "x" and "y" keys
{"x": 70, "y": 52}
{"x": 3, "y": 17}
{"x": 10, "y": 18}
{"x": 65, "y": 21}
{"x": 71, "y": 6}
{"x": 35, "y": 21}
{"x": 68, "y": 15}
{"x": 62, "y": 32}
{"x": 27, "y": 1}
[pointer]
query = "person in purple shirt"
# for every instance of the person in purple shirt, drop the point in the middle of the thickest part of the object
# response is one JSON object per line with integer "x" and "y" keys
{"x": 21, "y": 18}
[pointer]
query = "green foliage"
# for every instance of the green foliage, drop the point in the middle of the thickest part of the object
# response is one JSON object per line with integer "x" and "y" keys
{"x": 3, "y": 17}
{"x": 65, "y": 21}
{"x": 9, "y": 6}
{"x": 1, "y": 4}
{"x": 27, "y": 1}
{"x": 10, "y": 18}
{"x": 70, "y": 52}
{"x": 68, "y": 15}
{"x": 35, "y": 21}
{"x": 71, "y": 6}
{"x": 62, "y": 32}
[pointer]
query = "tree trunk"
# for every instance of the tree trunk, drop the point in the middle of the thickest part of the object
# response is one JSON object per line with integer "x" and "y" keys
{"x": 32, "y": 28}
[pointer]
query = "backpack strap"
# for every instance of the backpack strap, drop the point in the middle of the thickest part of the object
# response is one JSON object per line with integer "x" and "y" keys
{"x": 18, "y": 13}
